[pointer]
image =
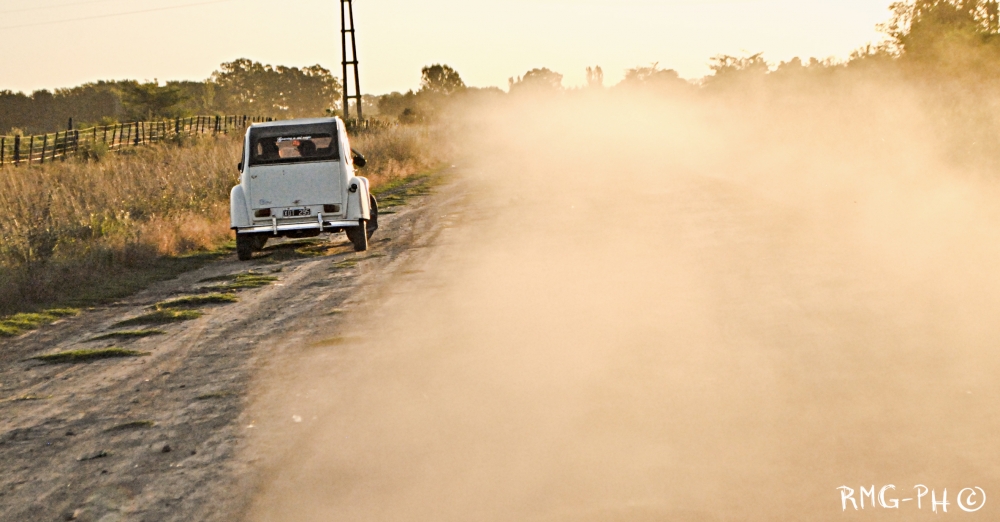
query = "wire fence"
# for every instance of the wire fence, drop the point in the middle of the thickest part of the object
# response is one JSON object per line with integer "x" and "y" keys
{"x": 41, "y": 148}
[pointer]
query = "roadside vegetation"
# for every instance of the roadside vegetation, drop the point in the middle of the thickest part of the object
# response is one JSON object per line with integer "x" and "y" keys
{"x": 82, "y": 231}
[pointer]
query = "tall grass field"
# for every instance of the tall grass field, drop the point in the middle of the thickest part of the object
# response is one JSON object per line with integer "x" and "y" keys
{"x": 87, "y": 229}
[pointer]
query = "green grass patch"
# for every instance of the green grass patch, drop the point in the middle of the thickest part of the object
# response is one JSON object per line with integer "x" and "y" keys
{"x": 133, "y": 425}
{"x": 397, "y": 192}
{"x": 98, "y": 287}
{"x": 241, "y": 282}
{"x": 347, "y": 263}
{"x": 79, "y": 356}
{"x": 194, "y": 301}
{"x": 162, "y": 317}
{"x": 128, "y": 334}
{"x": 17, "y": 324}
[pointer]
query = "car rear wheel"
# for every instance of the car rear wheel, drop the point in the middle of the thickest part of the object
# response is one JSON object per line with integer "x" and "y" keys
{"x": 244, "y": 246}
{"x": 358, "y": 236}
{"x": 373, "y": 222}
{"x": 259, "y": 240}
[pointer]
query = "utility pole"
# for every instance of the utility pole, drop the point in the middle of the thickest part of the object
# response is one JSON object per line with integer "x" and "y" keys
{"x": 347, "y": 27}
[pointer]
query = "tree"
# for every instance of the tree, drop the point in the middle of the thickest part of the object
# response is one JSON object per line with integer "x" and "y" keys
{"x": 595, "y": 77}
{"x": 918, "y": 26}
{"x": 731, "y": 70}
{"x": 393, "y": 105}
{"x": 248, "y": 87}
{"x": 946, "y": 37}
{"x": 148, "y": 101}
{"x": 537, "y": 80}
{"x": 440, "y": 79}
{"x": 653, "y": 77}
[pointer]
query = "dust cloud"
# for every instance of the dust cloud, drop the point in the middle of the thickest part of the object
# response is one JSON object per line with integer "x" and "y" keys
{"x": 664, "y": 309}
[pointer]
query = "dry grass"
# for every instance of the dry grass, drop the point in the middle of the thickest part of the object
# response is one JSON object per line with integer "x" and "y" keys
{"x": 398, "y": 152}
{"x": 82, "y": 231}
{"x": 70, "y": 225}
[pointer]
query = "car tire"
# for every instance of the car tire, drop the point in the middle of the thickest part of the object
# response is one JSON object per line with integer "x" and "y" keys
{"x": 259, "y": 240}
{"x": 358, "y": 236}
{"x": 373, "y": 222}
{"x": 244, "y": 246}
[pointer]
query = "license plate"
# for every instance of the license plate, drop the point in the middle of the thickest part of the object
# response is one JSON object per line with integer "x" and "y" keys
{"x": 296, "y": 212}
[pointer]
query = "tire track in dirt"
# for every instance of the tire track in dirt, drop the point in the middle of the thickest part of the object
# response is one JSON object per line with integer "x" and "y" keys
{"x": 157, "y": 437}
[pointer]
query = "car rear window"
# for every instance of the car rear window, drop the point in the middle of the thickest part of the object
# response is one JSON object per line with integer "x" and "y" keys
{"x": 293, "y": 144}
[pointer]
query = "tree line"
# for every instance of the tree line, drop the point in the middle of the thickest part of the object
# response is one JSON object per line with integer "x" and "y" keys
{"x": 238, "y": 87}
{"x": 926, "y": 41}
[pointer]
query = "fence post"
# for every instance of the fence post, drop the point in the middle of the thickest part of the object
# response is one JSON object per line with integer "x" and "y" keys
{"x": 45, "y": 143}
{"x": 177, "y": 126}
{"x": 3, "y": 149}
{"x": 138, "y": 132}
{"x": 76, "y": 141}
{"x": 17, "y": 150}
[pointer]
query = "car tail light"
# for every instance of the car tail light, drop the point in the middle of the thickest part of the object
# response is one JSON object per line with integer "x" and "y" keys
{"x": 262, "y": 213}
{"x": 331, "y": 209}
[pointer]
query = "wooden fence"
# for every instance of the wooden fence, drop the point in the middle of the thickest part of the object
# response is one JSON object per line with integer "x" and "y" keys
{"x": 40, "y": 148}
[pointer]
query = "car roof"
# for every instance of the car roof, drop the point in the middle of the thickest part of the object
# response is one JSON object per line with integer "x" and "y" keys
{"x": 299, "y": 121}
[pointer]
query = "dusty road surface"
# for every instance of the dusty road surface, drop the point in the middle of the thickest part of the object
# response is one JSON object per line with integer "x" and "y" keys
{"x": 663, "y": 328}
{"x": 660, "y": 334}
{"x": 158, "y": 436}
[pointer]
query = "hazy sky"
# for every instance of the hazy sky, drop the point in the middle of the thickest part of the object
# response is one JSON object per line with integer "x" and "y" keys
{"x": 62, "y": 43}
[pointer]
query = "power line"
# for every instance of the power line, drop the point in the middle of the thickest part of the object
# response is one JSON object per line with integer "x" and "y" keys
{"x": 53, "y": 6}
{"x": 113, "y": 15}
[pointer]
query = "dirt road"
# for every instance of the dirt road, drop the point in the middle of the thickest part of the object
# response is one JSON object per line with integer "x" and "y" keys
{"x": 684, "y": 330}
{"x": 160, "y": 436}
{"x": 677, "y": 339}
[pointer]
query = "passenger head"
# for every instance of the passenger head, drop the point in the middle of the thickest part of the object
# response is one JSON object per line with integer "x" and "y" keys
{"x": 268, "y": 149}
{"x": 307, "y": 148}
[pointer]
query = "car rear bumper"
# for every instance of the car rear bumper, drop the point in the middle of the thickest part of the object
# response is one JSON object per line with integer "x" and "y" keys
{"x": 276, "y": 227}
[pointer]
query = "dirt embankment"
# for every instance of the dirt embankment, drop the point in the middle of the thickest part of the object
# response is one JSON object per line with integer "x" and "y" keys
{"x": 148, "y": 421}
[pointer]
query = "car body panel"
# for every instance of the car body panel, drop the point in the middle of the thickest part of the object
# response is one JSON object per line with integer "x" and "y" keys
{"x": 299, "y": 195}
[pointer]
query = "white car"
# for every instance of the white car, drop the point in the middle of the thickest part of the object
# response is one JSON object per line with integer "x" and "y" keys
{"x": 297, "y": 180}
